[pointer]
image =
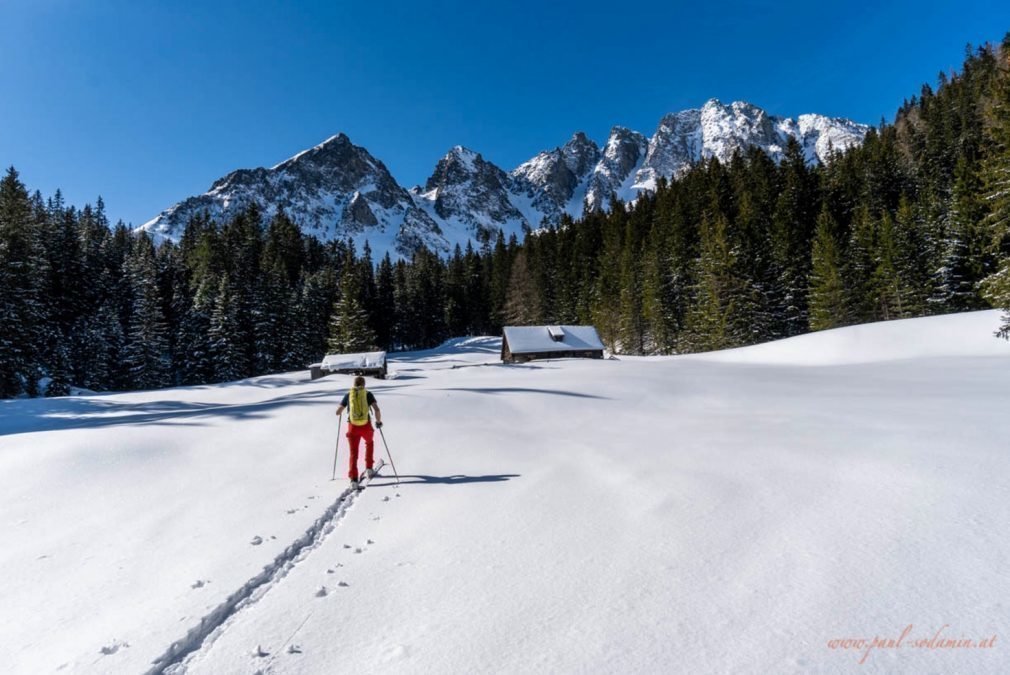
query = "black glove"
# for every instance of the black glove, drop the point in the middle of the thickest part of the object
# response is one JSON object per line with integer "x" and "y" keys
{"x": 378, "y": 425}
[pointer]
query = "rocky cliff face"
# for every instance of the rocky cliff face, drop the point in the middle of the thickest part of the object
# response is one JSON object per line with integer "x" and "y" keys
{"x": 334, "y": 190}
{"x": 338, "y": 190}
{"x": 468, "y": 193}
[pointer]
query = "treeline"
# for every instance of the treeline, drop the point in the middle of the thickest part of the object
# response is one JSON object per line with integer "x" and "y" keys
{"x": 913, "y": 222}
{"x": 102, "y": 307}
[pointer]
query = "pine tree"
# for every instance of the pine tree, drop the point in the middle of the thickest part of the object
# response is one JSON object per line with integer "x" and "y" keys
{"x": 456, "y": 318}
{"x": 22, "y": 313}
{"x": 147, "y": 348}
{"x": 828, "y": 304}
{"x": 793, "y": 222}
{"x": 709, "y": 320}
{"x": 606, "y": 299}
{"x": 385, "y": 303}
{"x": 631, "y": 326}
{"x": 996, "y": 287}
{"x": 349, "y": 329}
{"x": 522, "y": 305}
{"x": 228, "y": 358}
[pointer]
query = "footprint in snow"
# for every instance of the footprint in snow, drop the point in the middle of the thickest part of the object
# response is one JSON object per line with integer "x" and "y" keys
{"x": 369, "y": 542}
{"x": 295, "y": 649}
{"x": 386, "y": 498}
{"x": 347, "y": 545}
{"x": 260, "y": 653}
{"x": 343, "y": 584}
{"x": 357, "y": 550}
{"x": 199, "y": 583}
{"x": 115, "y": 646}
{"x": 292, "y": 511}
{"x": 256, "y": 541}
{"x": 321, "y": 593}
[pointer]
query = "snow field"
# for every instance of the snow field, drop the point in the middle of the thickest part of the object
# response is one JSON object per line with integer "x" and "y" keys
{"x": 730, "y": 512}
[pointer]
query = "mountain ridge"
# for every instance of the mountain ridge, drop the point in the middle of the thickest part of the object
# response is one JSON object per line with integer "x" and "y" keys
{"x": 339, "y": 190}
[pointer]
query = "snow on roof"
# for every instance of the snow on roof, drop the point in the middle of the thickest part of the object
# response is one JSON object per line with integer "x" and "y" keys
{"x": 349, "y": 361}
{"x": 534, "y": 339}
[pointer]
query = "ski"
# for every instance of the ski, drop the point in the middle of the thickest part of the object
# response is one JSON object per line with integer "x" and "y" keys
{"x": 362, "y": 481}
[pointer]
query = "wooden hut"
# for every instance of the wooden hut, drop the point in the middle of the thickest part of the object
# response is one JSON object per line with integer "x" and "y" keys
{"x": 525, "y": 343}
{"x": 364, "y": 363}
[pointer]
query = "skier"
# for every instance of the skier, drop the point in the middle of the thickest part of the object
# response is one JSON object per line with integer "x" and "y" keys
{"x": 358, "y": 401}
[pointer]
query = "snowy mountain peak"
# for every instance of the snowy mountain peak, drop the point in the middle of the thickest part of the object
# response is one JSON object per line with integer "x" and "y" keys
{"x": 468, "y": 196}
{"x": 580, "y": 153}
{"x": 613, "y": 174}
{"x": 719, "y": 130}
{"x": 337, "y": 189}
{"x": 334, "y": 190}
{"x": 333, "y": 143}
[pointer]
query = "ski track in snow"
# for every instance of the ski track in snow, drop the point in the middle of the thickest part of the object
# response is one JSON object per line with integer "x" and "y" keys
{"x": 172, "y": 662}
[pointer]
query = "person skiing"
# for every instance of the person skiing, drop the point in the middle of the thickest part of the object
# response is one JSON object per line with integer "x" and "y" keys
{"x": 358, "y": 401}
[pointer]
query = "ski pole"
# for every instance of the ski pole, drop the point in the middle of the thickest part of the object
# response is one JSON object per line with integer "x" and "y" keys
{"x": 386, "y": 445}
{"x": 340, "y": 426}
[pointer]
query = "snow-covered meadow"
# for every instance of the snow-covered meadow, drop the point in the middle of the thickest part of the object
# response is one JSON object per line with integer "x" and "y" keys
{"x": 734, "y": 512}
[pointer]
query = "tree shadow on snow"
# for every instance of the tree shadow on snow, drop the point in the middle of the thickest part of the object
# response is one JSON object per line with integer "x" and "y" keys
{"x": 89, "y": 413}
{"x": 458, "y": 479}
{"x": 522, "y": 390}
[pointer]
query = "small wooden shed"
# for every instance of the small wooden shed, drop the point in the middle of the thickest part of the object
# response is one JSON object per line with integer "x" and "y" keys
{"x": 364, "y": 363}
{"x": 525, "y": 343}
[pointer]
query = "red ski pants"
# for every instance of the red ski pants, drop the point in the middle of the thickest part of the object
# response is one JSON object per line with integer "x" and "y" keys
{"x": 354, "y": 435}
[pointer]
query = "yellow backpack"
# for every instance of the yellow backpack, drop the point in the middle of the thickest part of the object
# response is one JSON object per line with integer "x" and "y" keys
{"x": 357, "y": 404}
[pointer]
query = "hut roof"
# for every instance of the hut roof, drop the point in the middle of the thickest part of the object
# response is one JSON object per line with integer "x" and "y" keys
{"x": 539, "y": 339}
{"x": 352, "y": 361}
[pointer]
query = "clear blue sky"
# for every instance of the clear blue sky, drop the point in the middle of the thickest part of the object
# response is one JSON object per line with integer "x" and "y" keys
{"x": 146, "y": 103}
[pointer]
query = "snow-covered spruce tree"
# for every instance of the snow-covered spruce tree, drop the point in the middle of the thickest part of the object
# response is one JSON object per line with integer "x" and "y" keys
{"x": 147, "y": 349}
{"x": 996, "y": 179}
{"x": 21, "y": 310}
{"x": 792, "y": 228}
{"x": 228, "y": 358}
{"x": 859, "y": 265}
{"x": 456, "y": 320}
{"x": 757, "y": 294}
{"x": 828, "y": 301}
{"x": 385, "y": 301}
{"x": 631, "y": 326}
{"x": 349, "y": 329}
{"x": 915, "y": 251}
{"x": 100, "y": 348}
{"x": 194, "y": 361}
{"x": 964, "y": 245}
{"x": 659, "y": 291}
{"x": 606, "y": 298}
{"x": 522, "y": 306}
{"x": 422, "y": 298}
{"x": 709, "y": 319}
{"x": 887, "y": 286}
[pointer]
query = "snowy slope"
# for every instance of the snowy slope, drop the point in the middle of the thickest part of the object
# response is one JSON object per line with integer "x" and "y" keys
{"x": 729, "y": 512}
